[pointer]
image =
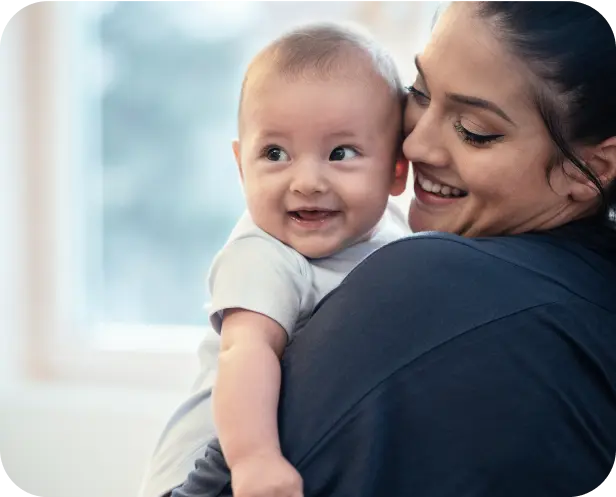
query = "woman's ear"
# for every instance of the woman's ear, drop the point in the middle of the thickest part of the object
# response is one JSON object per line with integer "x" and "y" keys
{"x": 236, "y": 152}
{"x": 602, "y": 160}
{"x": 401, "y": 173}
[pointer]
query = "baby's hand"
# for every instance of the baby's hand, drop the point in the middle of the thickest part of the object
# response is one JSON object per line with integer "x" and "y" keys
{"x": 266, "y": 474}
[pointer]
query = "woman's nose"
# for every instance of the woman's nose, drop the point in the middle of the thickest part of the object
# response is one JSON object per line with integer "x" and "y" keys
{"x": 309, "y": 178}
{"x": 425, "y": 142}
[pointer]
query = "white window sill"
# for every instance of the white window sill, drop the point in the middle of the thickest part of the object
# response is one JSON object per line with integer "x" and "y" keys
{"x": 149, "y": 357}
{"x": 63, "y": 396}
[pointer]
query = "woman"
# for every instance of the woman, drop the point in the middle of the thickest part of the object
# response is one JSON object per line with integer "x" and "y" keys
{"x": 479, "y": 360}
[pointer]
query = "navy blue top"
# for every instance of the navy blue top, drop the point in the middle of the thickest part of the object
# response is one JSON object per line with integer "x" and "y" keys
{"x": 453, "y": 367}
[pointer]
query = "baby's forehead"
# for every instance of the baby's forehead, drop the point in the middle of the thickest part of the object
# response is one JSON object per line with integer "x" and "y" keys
{"x": 321, "y": 112}
{"x": 346, "y": 101}
{"x": 324, "y": 53}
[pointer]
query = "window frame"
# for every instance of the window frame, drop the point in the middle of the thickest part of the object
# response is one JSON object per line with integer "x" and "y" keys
{"x": 55, "y": 345}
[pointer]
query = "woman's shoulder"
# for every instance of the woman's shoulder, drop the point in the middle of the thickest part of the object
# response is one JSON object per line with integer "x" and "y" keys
{"x": 535, "y": 268}
{"x": 440, "y": 251}
{"x": 584, "y": 239}
{"x": 512, "y": 248}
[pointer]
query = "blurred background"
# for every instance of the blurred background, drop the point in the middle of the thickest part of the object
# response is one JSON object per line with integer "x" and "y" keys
{"x": 117, "y": 187}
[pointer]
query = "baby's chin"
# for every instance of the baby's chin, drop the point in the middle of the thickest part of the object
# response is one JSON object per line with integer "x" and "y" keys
{"x": 319, "y": 248}
{"x": 326, "y": 246}
{"x": 317, "y": 251}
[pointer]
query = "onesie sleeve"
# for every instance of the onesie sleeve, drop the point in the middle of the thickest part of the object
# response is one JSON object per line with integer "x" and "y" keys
{"x": 261, "y": 275}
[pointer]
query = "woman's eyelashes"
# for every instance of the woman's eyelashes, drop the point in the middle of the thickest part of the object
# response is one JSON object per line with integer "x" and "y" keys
{"x": 474, "y": 138}
{"x": 418, "y": 96}
{"x": 275, "y": 153}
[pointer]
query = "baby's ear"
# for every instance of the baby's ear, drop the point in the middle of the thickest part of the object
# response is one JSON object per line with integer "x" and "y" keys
{"x": 601, "y": 159}
{"x": 401, "y": 173}
{"x": 236, "y": 152}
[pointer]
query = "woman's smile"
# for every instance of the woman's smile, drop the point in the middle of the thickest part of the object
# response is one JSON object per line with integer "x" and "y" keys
{"x": 432, "y": 191}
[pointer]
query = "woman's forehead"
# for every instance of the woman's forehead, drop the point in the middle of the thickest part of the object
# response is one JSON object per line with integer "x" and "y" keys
{"x": 464, "y": 56}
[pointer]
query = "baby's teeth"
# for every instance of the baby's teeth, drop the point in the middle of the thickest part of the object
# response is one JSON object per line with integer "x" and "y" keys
{"x": 436, "y": 188}
{"x": 455, "y": 191}
{"x": 427, "y": 185}
{"x": 445, "y": 190}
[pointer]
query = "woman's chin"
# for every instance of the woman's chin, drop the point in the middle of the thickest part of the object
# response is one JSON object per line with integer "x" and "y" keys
{"x": 419, "y": 220}
{"x": 445, "y": 218}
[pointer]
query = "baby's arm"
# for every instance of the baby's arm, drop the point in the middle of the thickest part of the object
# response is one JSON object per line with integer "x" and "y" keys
{"x": 245, "y": 401}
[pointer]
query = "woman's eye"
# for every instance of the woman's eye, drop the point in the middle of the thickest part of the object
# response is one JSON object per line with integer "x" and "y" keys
{"x": 343, "y": 153}
{"x": 276, "y": 154}
{"x": 418, "y": 96}
{"x": 474, "y": 138}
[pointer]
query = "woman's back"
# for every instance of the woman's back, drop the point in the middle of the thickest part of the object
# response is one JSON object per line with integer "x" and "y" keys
{"x": 440, "y": 341}
{"x": 453, "y": 339}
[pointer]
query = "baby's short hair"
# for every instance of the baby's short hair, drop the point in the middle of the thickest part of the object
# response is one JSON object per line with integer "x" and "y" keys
{"x": 325, "y": 50}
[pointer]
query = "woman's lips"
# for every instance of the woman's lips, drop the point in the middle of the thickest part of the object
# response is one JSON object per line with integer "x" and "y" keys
{"x": 430, "y": 192}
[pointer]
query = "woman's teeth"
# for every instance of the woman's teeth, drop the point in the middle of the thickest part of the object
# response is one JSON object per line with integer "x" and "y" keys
{"x": 442, "y": 190}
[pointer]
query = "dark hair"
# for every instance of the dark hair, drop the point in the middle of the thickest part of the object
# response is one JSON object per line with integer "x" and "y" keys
{"x": 570, "y": 47}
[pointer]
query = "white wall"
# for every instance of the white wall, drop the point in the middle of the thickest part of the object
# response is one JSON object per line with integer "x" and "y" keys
{"x": 78, "y": 442}
{"x": 58, "y": 441}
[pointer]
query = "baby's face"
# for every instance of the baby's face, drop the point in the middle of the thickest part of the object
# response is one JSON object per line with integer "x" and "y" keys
{"x": 318, "y": 159}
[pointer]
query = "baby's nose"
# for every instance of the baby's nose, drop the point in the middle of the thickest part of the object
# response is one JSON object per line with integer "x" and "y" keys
{"x": 309, "y": 178}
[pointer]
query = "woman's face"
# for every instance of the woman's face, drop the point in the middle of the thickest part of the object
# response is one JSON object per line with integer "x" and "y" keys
{"x": 479, "y": 147}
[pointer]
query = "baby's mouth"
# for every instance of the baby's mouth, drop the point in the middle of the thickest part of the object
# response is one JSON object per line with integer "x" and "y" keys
{"x": 312, "y": 215}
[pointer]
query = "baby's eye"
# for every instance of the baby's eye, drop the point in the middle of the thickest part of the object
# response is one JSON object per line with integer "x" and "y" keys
{"x": 343, "y": 153}
{"x": 276, "y": 154}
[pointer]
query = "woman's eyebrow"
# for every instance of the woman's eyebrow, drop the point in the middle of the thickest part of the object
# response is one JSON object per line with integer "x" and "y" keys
{"x": 467, "y": 100}
{"x": 480, "y": 103}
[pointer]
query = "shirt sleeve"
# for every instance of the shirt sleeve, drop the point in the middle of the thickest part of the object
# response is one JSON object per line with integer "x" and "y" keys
{"x": 258, "y": 274}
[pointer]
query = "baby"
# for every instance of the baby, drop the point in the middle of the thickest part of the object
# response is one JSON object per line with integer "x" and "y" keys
{"x": 320, "y": 127}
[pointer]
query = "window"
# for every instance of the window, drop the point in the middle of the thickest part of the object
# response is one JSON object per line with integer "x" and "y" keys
{"x": 170, "y": 190}
{"x": 142, "y": 190}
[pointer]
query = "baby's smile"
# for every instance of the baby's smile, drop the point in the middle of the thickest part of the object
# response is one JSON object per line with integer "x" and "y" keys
{"x": 313, "y": 218}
